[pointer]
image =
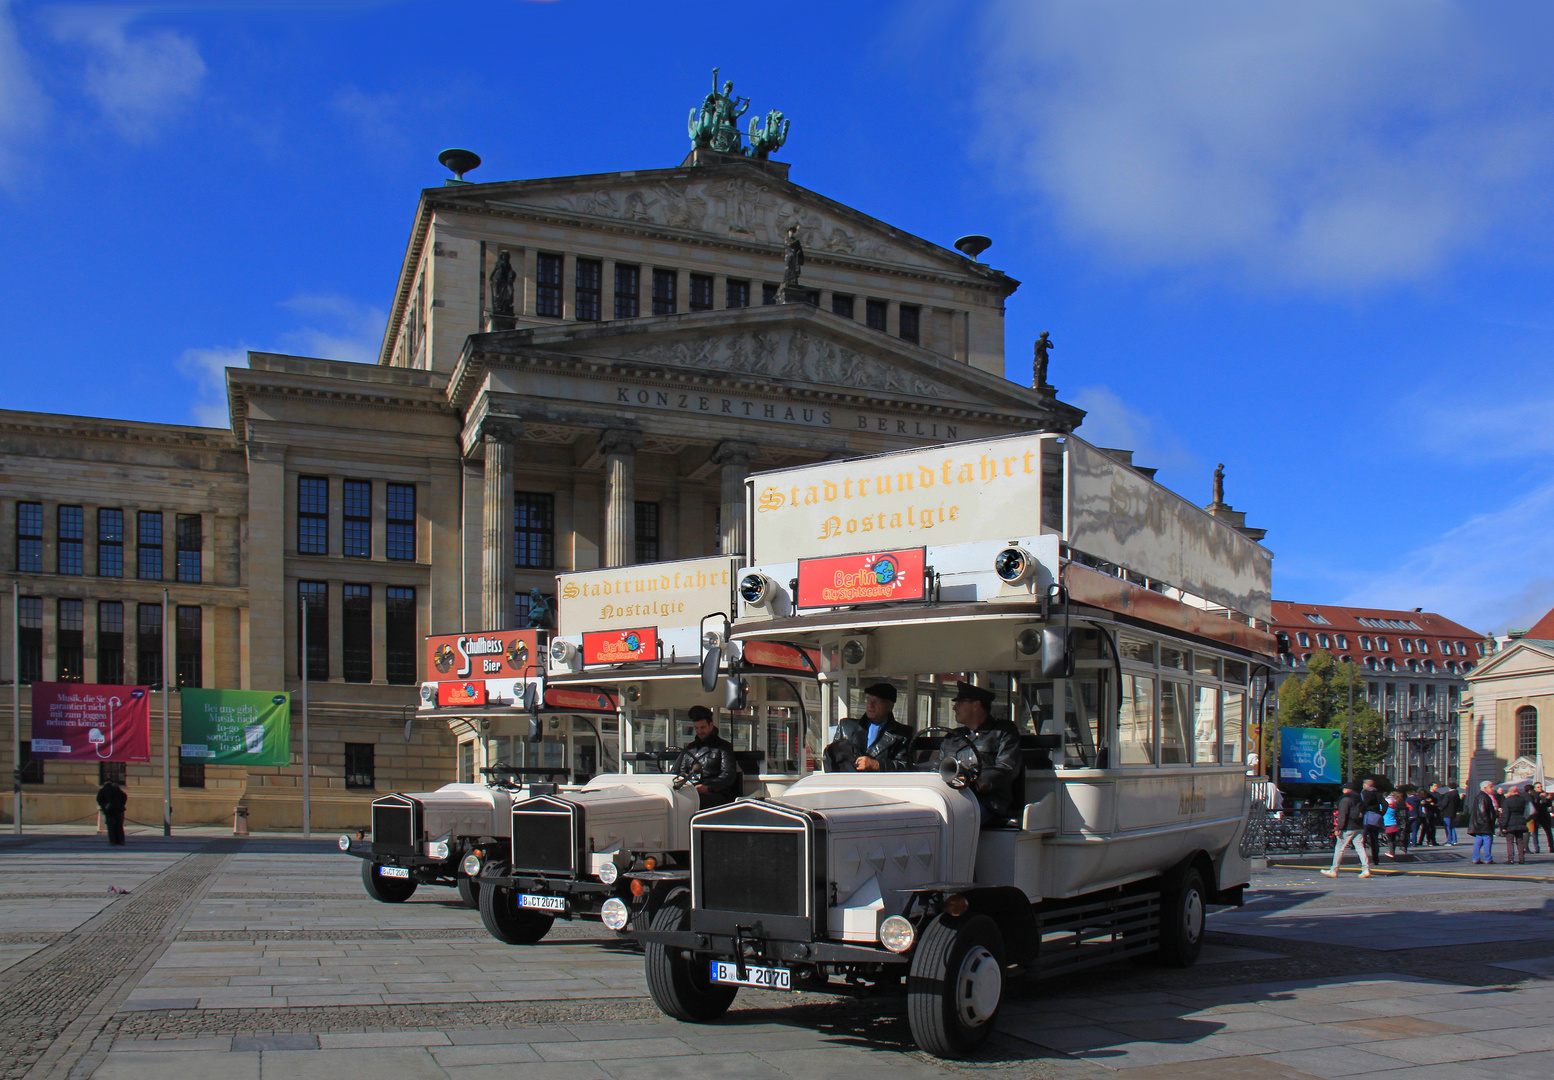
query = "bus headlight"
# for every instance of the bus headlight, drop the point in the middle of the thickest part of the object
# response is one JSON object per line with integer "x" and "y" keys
{"x": 616, "y": 914}
{"x": 1014, "y": 565}
{"x": 608, "y": 872}
{"x": 471, "y": 865}
{"x": 755, "y": 588}
{"x": 896, "y": 934}
{"x": 437, "y": 849}
{"x": 345, "y": 842}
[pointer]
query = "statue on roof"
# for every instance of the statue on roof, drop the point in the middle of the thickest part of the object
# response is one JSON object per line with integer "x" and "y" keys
{"x": 1219, "y": 484}
{"x": 767, "y": 138}
{"x": 1039, "y": 368}
{"x": 715, "y": 125}
{"x": 501, "y": 280}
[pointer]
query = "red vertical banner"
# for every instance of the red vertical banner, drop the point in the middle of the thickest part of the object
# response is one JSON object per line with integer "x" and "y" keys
{"x": 87, "y": 722}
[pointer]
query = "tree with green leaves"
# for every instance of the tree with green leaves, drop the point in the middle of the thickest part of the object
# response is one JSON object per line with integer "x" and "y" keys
{"x": 1321, "y": 699}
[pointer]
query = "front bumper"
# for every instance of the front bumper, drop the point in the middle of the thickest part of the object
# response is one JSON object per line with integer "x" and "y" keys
{"x": 753, "y": 947}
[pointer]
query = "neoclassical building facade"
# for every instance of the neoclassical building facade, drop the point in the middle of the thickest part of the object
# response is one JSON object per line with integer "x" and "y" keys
{"x": 607, "y": 414}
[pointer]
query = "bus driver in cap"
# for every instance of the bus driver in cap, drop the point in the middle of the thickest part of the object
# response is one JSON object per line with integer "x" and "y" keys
{"x": 875, "y": 743}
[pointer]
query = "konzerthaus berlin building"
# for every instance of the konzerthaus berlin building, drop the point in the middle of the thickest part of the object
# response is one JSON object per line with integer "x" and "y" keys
{"x": 646, "y": 367}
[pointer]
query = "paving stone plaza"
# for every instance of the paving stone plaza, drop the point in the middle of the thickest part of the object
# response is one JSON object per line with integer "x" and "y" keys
{"x": 264, "y": 958}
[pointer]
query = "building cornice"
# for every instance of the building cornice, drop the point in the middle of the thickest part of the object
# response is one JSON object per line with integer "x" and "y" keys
{"x": 383, "y": 388}
{"x": 64, "y": 425}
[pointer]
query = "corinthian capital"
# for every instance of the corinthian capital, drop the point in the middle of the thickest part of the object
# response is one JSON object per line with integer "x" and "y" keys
{"x": 620, "y": 441}
{"x": 735, "y": 453}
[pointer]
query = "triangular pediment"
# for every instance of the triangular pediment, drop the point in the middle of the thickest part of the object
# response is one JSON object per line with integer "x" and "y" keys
{"x": 1521, "y": 658}
{"x": 796, "y": 347}
{"x": 736, "y": 202}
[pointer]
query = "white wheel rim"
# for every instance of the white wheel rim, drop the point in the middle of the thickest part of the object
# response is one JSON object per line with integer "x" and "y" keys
{"x": 979, "y": 987}
{"x": 1192, "y": 916}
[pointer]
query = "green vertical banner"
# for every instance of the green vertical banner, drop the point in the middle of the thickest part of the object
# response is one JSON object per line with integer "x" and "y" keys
{"x": 236, "y": 727}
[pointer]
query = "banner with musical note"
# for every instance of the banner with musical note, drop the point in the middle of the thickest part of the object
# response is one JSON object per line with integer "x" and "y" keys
{"x": 1310, "y": 755}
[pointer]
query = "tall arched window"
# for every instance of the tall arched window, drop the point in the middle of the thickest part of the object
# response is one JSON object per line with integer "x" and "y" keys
{"x": 1526, "y": 731}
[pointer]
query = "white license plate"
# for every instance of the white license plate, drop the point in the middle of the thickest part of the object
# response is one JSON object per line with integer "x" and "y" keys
{"x": 393, "y": 871}
{"x": 769, "y": 978}
{"x": 544, "y": 903}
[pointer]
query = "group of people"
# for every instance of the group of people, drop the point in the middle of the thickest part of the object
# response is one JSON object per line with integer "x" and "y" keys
{"x": 1365, "y": 817}
{"x": 878, "y": 742}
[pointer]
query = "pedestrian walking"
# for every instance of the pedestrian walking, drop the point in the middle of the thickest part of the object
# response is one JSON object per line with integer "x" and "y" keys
{"x": 1513, "y": 825}
{"x": 1542, "y": 817}
{"x": 1371, "y": 798}
{"x": 111, "y": 800}
{"x": 1483, "y": 815}
{"x": 1428, "y": 818}
{"x": 1449, "y": 804}
{"x": 1349, "y": 820}
{"x": 1413, "y": 802}
{"x": 1393, "y": 816}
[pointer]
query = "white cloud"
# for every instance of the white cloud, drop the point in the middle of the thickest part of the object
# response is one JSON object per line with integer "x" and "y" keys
{"x": 23, "y": 107}
{"x": 334, "y": 328}
{"x": 1112, "y": 423}
{"x": 207, "y": 367}
{"x": 138, "y": 78}
{"x": 1483, "y": 573}
{"x": 1325, "y": 144}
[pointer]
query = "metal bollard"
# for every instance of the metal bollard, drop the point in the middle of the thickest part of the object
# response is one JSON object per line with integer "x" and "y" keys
{"x": 240, "y": 821}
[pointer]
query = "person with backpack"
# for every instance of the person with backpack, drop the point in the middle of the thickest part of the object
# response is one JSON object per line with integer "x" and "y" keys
{"x": 1349, "y": 823}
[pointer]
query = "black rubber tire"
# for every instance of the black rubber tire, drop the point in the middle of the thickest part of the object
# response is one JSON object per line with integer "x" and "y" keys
{"x": 1182, "y": 909}
{"x": 383, "y": 889}
{"x": 950, "y": 950}
{"x": 469, "y": 892}
{"x": 508, "y": 922}
{"x": 681, "y": 985}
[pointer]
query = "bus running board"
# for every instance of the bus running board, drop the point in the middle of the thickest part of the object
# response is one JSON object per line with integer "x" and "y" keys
{"x": 1097, "y": 933}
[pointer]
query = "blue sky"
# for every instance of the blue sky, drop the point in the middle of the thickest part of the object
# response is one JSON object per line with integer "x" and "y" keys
{"x": 1310, "y": 241}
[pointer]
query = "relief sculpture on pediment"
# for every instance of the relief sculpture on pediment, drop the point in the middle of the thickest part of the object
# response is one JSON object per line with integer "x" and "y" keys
{"x": 805, "y": 358}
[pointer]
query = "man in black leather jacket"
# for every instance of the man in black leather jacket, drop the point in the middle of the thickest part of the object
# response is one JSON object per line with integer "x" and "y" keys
{"x": 995, "y": 744}
{"x": 875, "y": 743}
{"x": 709, "y": 760}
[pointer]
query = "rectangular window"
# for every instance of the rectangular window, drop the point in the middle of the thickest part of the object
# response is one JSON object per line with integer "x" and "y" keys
{"x": 110, "y": 642}
{"x": 664, "y": 286}
{"x": 31, "y": 767}
{"x": 910, "y": 317}
{"x": 400, "y": 620}
{"x": 701, "y": 292}
{"x": 356, "y": 633}
{"x": 356, "y": 543}
{"x": 191, "y": 772}
{"x": 842, "y": 305}
{"x": 1231, "y": 728}
{"x": 188, "y": 647}
{"x": 29, "y": 538}
{"x": 547, "y": 294}
{"x": 647, "y": 532}
{"x": 1175, "y": 715}
{"x": 68, "y": 558}
{"x": 590, "y": 274}
{"x": 148, "y": 645}
{"x": 148, "y": 545}
{"x": 874, "y": 312}
{"x": 534, "y": 530}
{"x": 110, "y": 543}
{"x": 359, "y": 772}
{"x": 628, "y": 291}
{"x": 189, "y": 537}
{"x": 768, "y": 295}
{"x": 736, "y": 293}
{"x": 1205, "y": 736}
{"x": 1136, "y": 721}
{"x": 399, "y": 538}
{"x": 313, "y": 608}
{"x": 312, "y": 515}
{"x": 116, "y": 771}
{"x": 69, "y": 643}
{"x": 29, "y": 619}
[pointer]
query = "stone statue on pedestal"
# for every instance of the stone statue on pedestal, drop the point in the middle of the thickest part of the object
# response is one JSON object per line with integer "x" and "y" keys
{"x": 1219, "y": 484}
{"x": 502, "y": 278}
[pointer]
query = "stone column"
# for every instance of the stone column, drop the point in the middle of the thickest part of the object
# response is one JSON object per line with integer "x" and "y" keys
{"x": 619, "y": 447}
{"x": 735, "y": 458}
{"x": 497, "y": 435}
